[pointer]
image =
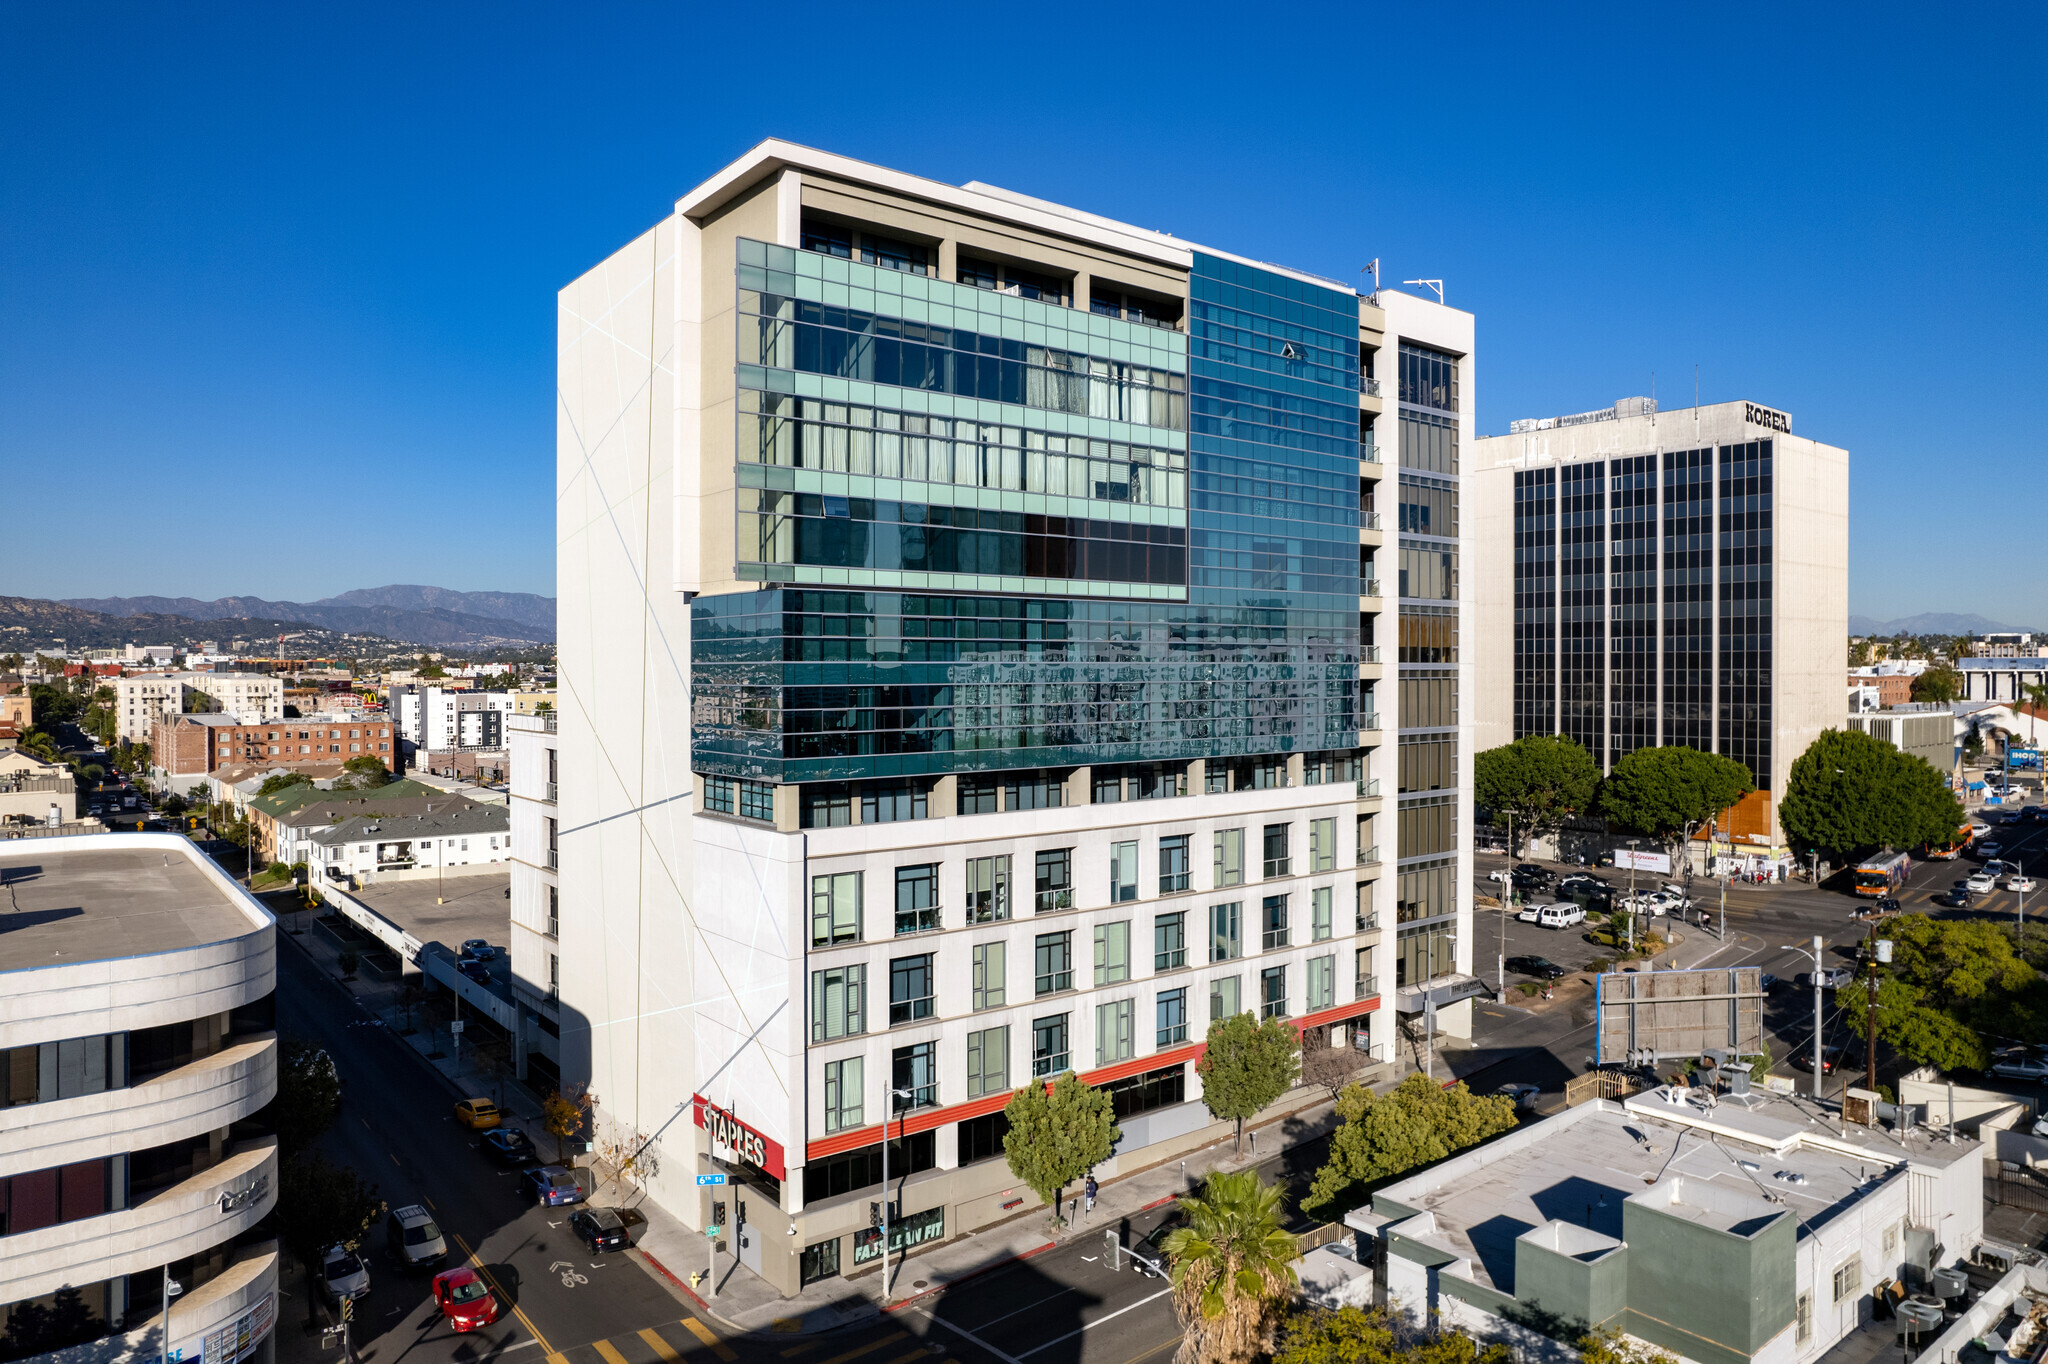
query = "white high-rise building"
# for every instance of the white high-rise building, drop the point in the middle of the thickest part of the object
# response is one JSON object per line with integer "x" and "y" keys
{"x": 142, "y": 700}
{"x": 966, "y": 677}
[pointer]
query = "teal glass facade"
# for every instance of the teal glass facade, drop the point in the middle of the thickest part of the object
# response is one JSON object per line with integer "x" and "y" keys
{"x": 994, "y": 533}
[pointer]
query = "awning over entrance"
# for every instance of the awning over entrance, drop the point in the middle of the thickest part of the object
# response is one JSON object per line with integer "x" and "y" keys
{"x": 1443, "y": 992}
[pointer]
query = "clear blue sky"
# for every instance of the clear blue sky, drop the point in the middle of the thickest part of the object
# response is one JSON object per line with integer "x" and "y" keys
{"x": 277, "y": 283}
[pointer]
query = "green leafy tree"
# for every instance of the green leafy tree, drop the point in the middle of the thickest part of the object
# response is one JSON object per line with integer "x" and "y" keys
{"x": 563, "y": 1115}
{"x": 308, "y": 1095}
{"x": 173, "y": 804}
{"x": 365, "y": 773}
{"x": 1951, "y": 985}
{"x": 1369, "y": 1335}
{"x": 1850, "y": 792}
{"x": 1939, "y": 685}
{"x": 1057, "y": 1134}
{"x": 322, "y": 1204}
{"x": 1232, "y": 1269}
{"x": 1542, "y": 780}
{"x": 1247, "y": 1065}
{"x": 1659, "y": 791}
{"x": 1413, "y": 1124}
{"x": 427, "y": 667}
{"x": 283, "y": 781}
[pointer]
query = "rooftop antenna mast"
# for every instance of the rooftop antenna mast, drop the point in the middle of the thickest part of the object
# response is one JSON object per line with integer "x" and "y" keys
{"x": 1374, "y": 271}
{"x": 1435, "y": 284}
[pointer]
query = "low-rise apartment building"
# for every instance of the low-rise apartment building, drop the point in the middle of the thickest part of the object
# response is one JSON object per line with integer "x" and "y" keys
{"x": 2004, "y": 678}
{"x": 447, "y": 719}
{"x": 142, "y": 700}
{"x": 197, "y": 744}
{"x": 280, "y": 822}
{"x": 457, "y": 838}
{"x": 33, "y": 791}
{"x": 137, "y": 1049}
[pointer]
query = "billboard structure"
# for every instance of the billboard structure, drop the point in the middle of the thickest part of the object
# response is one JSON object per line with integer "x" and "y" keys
{"x": 1677, "y": 1013}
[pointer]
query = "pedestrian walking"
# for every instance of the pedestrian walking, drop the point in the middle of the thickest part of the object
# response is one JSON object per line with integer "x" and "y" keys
{"x": 1089, "y": 1188}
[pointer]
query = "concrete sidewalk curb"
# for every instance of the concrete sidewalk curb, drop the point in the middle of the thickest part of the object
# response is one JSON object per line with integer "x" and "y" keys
{"x": 987, "y": 1269}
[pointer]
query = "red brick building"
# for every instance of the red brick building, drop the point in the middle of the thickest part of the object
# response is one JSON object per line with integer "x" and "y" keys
{"x": 186, "y": 744}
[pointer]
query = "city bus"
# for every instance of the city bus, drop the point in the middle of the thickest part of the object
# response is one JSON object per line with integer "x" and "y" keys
{"x": 1955, "y": 847}
{"x": 1881, "y": 875}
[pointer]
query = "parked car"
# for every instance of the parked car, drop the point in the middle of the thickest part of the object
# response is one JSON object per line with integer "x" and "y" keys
{"x": 1525, "y": 1096}
{"x": 2021, "y": 1066}
{"x": 1502, "y": 875}
{"x": 414, "y": 1240}
{"x": 343, "y": 1274}
{"x": 601, "y": 1229}
{"x": 510, "y": 1146}
{"x": 1560, "y": 916}
{"x": 465, "y": 1300}
{"x": 552, "y": 1186}
{"x": 1528, "y": 913}
{"x": 1983, "y": 883}
{"x": 477, "y": 1114}
{"x": 474, "y": 970}
{"x": 478, "y": 949}
{"x": 1831, "y": 978}
{"x": 1830, "y": 1059}
{"x": 2019, "y": 882}
{"x": 1536, "y": 966}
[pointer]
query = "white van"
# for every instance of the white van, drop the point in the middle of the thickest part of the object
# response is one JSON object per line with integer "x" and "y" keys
{"x": 1560, "y": 916}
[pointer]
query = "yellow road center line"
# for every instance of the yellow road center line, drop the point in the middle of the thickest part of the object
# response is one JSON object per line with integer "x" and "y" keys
{"x": 666, "y": 1351}
{"x": 605, "y": 1349}
{"x": 703, "y": 1334}
{"x": 497, "y": 1288}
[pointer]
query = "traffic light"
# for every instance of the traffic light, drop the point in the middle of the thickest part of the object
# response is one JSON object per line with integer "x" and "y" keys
{"x": 874, "y": 1214}
{"x": 718, "y": 1213}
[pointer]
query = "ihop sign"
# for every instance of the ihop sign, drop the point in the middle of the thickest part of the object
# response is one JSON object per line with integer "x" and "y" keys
{"x": 733, "y": 1140}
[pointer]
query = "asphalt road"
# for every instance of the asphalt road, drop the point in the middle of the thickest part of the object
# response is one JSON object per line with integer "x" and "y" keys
{"x": 1547, "y": 1047}
{"x": 397, "y": 1129}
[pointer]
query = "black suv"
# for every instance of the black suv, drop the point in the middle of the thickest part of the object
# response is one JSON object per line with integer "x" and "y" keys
{"x": 1536, "y": 966}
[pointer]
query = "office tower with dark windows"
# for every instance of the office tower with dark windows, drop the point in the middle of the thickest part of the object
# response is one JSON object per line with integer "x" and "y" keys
{"x": 1665, "y": 578}
{"x": 966, "y": 677}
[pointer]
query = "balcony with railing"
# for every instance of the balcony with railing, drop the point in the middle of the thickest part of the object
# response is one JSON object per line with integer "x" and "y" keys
{"x": 1369, "y": 453}
{"x": 1368, "y": 587}
{"x": 1369, "y": 922}
{"x": 554, "y": 789}
{"x": 1369, "y": 857}
{"x": 1368, "y": 788}
{"x": 1368, "y": 520}
{"x": 553, "y": 720}
{"x": 1368, "y": 987}
{"x": 1369, "y": 387}
{"x": 1369, "y": 723}
{"x": 1049, "y": 901}
{"x": 554, "y": 860}
{"x": 1368, "y": 653}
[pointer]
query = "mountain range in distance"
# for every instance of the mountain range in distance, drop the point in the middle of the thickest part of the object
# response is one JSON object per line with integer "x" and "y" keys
{"x": 1929, "y": 623}
{"x": 407, "y": 612}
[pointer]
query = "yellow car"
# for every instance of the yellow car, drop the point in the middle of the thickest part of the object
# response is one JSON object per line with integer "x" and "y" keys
{"x": 477, "y": 1114}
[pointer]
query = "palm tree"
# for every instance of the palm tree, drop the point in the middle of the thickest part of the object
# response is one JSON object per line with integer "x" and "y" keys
{"x": 2037, "y": 695}
{"x": 1232, "y": 1269}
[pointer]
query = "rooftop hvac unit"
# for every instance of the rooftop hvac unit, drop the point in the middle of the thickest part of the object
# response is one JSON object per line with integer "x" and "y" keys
{"x": 1919, "y": 1316}
{"x": 1950, "y": 1284}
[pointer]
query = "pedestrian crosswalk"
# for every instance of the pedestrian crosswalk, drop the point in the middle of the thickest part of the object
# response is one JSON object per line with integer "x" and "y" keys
{"x": 691, "y": 1341}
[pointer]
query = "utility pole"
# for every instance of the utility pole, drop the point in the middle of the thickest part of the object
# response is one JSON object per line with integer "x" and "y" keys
{"x": 1632, "y": 906}
{"x": 894, "y": 1095}
{"x": 1870, "y": 1018}
{"x": 1817, "y": 1077}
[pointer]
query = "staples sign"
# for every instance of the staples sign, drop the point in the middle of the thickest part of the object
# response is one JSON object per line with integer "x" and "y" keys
{"x": 733, "y": 1139}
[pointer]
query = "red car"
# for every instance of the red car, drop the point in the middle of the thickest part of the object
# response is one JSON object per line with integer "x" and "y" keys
{"x": 465, "y": 1299}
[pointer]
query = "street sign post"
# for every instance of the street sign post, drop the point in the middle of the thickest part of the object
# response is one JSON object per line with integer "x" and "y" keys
{"x": 710, "y": 1179}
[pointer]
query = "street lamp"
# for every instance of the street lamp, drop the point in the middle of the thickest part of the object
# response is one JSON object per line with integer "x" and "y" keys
{"x": 172, "y": 1288}
{"x": 894, "y": 1094}
{"x": 1815, "y": 953}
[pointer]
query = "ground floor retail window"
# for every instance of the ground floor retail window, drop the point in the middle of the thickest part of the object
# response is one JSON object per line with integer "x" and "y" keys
{"x": 820, "y": 1261}
{"x": 850, "y": 1171}
{"x": 1162, "y": 1088}
{"x": 982, "y": 1138}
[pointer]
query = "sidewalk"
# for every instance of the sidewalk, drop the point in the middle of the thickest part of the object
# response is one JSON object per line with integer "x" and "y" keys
{"x": 747, "y": 1304}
